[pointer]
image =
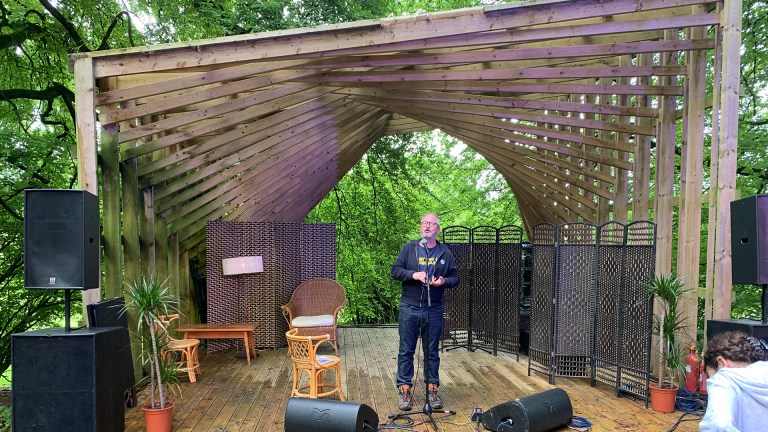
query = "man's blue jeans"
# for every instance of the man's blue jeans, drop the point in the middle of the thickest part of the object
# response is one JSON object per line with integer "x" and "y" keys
{"x": 412, "y": 319}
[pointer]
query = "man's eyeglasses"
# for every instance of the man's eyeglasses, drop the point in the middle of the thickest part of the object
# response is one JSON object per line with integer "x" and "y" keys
{"x": 429, "y": 224}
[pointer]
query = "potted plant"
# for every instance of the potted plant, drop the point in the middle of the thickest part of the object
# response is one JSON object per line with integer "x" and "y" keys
{"x": 150, "y": 298}
{"x": 667, "y": 325}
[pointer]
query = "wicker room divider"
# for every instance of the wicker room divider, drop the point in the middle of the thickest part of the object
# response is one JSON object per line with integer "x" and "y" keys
{"x": 483, "y": 311}
{"x": 292, "y": 252}
{"x": 591, "y": 314}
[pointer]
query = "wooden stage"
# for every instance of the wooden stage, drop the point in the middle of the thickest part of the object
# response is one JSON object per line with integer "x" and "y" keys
{"x": 232, "y": 396}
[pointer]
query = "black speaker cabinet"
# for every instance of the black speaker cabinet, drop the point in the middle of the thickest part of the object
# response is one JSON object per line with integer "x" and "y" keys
{"x": 67, "y": 381}
{"x": 550, "y": 409}
{"x": 328, "y": 415}
{"x": 109, "y": 313}
{"x": 749, "y": 240}
{"x": 750, "y": 327}
{"x": 61, "y": 239}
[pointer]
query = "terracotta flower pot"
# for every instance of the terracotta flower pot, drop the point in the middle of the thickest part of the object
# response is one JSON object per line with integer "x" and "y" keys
{"x": 158, "y": 419}
{"x": 663, "y": 399}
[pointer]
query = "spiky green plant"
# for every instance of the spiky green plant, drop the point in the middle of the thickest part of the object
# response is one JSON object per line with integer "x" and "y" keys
{"x": 668, "y": 290}
{"x": 150, "y": 298}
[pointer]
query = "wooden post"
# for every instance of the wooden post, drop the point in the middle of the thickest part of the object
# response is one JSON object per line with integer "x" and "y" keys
{"x": 727, "y": 154}
{"x": 665, "y": 169}
{"x": 713, "y": 175}
{"x": 621, "y": 200}
{"x": 689, "y": 235}
{"x": 641, "y": 171}
{"x": 131, "y": 244}
{"x": 110, "y": 186}
{"x": 87, "y": 161}
{"x": 147, "y": 232}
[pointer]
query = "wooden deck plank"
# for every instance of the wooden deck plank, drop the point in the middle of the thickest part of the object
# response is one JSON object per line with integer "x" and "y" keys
{"x": 232, "y": 396}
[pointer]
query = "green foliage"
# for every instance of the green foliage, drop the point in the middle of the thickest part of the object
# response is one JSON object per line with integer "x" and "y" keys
{"x": 377, "y": 207}
{"x": 150, "y": 298}
{"x": 6, "y": 418}
{"x": 668, "y": 290}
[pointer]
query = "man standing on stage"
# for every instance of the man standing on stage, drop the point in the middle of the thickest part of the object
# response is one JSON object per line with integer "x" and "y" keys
{"x": 420, "y": 262}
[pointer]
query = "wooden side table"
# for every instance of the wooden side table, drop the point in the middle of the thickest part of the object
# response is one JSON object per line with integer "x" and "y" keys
{"x": 242, "y": 331}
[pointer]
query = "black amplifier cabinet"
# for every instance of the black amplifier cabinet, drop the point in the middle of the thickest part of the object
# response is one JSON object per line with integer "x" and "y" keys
{"x": 67, "y": 381}
{"x": 750, "y": 327}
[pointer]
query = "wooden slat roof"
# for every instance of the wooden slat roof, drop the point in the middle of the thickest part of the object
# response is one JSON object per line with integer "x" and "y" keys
{"x": 557, "y": 95}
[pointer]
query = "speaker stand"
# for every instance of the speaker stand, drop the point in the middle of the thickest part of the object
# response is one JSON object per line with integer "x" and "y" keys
{"x": 67, "y": 307}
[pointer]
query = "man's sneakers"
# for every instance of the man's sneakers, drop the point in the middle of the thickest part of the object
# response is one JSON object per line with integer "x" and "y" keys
{"x": 434, "y": 399}
{"x": 404, "y": 398}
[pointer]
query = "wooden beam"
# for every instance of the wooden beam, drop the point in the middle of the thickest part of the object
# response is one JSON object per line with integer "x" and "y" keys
{"x": 332, "y": 38}
{"x": 499, "y": 101}
{"x": 689, "y": 232}
{"x": 714, "y": 152}
{"x": 665, "y": 172}
{"x": 641, "y": 171}
{"x": 516, "y": 115}
{"x": 111, "y": 209}
{"x": 87, "y": 160}
{"x": 727, "y": 156}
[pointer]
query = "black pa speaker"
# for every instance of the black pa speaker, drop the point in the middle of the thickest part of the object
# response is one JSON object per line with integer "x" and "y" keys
{"x": 750, "y": 327}
{"x": 540, "y": 412}
{"x": 61, "y": 239}
{"x": 749, "y": 240}
{"x": 67, "y": 381}
{"x": 328, "y": 415}
{"x": 109, "y": 313}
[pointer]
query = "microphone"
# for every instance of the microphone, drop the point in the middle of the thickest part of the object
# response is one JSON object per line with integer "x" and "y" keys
{"x": 423, "y": 242}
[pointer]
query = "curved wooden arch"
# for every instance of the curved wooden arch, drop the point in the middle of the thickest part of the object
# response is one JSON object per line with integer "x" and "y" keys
{"x": 571, "y": 101}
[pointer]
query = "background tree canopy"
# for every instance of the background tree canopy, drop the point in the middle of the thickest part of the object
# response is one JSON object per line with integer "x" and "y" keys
{"x": 376, "y": 207}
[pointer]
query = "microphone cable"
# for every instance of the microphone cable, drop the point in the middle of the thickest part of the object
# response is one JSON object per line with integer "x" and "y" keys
{"x": 580, "y": 424}
{"x": 690, "y": 403}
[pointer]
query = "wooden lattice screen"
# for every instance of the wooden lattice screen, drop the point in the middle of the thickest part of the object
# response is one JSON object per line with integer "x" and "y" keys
{"x": 291, "y": 252}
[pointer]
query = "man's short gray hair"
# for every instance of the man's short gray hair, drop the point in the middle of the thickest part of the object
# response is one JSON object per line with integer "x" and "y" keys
{"x": 431, "y": 214}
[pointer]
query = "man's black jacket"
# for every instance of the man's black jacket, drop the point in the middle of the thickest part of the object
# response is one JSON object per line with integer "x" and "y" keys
{"x": 407, "y": 263}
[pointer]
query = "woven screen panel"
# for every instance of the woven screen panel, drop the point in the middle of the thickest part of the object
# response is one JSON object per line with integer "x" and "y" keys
{"x": 637, "y": 308}
{"x": 542, "y": 283}
{"x": 289, "y": 255}
{"x": 456, "y": 306}
{"x": 318, "y": 260}
{"x": 574, "y": 289}
{"x": 288, "y": 252}
{"x": 610, "y": 268}
{"x": 484, "y": 272}
{"x": 574, "y": 299}
{"x": 509, "y": 280}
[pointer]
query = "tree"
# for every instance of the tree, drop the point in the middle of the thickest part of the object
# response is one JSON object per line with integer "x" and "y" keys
{"x": 377, "y": 206}
{"x": 37, "y": 114}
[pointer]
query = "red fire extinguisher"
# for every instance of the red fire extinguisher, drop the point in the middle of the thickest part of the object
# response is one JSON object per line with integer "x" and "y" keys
{"x": 702, "y": 378}
{"x": 692, "y": 369}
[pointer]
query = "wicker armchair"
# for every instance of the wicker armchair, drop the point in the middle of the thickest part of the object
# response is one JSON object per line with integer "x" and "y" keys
{"x": 314, "y": 308}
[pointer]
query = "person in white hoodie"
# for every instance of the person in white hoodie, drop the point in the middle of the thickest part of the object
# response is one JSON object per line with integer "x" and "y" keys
{"x": 737, "y": 386}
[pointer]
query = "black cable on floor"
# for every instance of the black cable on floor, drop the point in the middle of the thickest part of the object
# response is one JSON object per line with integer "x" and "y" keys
{"x": 691, "y": 404}
{"x": 580, "y": 424}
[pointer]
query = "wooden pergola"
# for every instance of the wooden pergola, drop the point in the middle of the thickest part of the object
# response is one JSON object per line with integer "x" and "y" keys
{"x": 571, "y": 101}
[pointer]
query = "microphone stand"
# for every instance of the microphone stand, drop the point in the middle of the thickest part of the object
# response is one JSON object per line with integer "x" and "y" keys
{"x": 425, "y": 348}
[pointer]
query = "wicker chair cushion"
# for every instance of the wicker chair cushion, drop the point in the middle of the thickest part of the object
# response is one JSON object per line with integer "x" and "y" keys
{"x": 313, "y": 321}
